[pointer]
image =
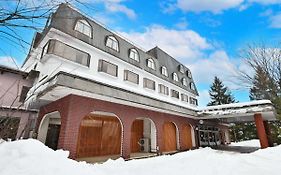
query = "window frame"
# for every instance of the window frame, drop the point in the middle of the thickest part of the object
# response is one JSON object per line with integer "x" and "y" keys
{"x": 136, "y": 53}
{"x": 184, "y": 81}
{"x": 166, "y": 89}
{"x": 145, "y": 83}
{"x": 188, "y": 73}
{"x": 126, "y": 76}
{"x": 181, "y": 68}
{"x": 176, "y": 92}
{"x": 192, "y": 86}
{"x": 175, "y": 77}
{"x": 165, "y": 73}
{"x": 52, "y": 49}
{"x": 84, "y": 23}
{"x": 150, "y": 63}
{"x": 100, "y": 67}
{"x": 113, "y": 40}
{"x": 184, "y": 99}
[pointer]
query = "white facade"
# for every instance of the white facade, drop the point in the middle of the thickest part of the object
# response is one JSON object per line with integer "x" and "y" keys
{"x": 49, "y": 65}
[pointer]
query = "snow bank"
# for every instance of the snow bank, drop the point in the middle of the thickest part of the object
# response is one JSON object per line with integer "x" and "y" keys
{"x": 30, "y": 157}
{"x": 250, "y": 143}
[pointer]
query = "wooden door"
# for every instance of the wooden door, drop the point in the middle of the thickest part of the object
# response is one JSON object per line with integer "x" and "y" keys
{"x": 170, "y": 137}
{"x": 136, "y": 135}
{"x": 99, "y": 136}
{"x": 186, "y": 137}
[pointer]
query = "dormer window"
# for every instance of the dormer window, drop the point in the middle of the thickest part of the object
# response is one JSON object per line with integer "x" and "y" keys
{"x": 175, "y": 77}
{"x": 164, "y": 71}
{"x": 184, "y": 82}
{"x": 188, "y": 73}
{"x": 181, "y": 69}
{"x": 150, "y": 63}
{"x": 84, "y": 27}
{"x": 192, "y": 86}
{"x": 133, "y": 54}
{"x": 112, "y": 43}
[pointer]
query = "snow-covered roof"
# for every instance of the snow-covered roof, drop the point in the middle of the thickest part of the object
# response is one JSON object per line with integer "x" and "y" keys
{"x": 241, "y": 111}
{"x": 237, "y": 105}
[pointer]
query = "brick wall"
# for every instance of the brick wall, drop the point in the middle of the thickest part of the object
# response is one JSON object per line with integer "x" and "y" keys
{"x": 73, "y": 109}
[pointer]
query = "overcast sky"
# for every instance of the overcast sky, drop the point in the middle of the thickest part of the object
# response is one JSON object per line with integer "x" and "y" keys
{"x": 205, "y": 35}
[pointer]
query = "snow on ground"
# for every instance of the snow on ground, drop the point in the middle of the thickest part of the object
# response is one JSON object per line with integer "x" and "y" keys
{"x": 250, "y": 143}
{"x": 30, "y": 157}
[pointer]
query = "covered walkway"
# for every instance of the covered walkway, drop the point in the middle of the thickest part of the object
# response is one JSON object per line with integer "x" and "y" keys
{"x": 260, "y": 112}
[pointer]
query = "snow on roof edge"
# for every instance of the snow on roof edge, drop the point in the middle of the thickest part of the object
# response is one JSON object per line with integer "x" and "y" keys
{"x": 237, "y": 105}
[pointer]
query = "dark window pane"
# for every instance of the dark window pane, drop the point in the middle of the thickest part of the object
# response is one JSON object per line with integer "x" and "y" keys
{"x": 60, "y": 49}
{"x": 147, "y": 83}
{"x": 109, "y": 68}
{"x": 130, "y": 76}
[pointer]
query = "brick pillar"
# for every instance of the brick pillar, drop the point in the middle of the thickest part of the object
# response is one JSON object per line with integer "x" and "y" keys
{"x": 268, "y": 133}
{"x": 261, "y": 131}
{"x": 126, "y": 144}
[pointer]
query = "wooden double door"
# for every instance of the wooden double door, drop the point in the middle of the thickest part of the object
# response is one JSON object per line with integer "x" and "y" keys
{"x": 186, "y": 142}
{"x": 169, "y": 137}
{"x": 136, "y": 135}
{"x": 99, "y": 136}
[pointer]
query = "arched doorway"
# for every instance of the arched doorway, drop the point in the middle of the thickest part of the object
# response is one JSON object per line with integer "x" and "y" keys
{"x": 186, "y": 142}
{"x": 99, "y": 135}
{"x": 49, "y": 129}
{"x": 170, "y": 137}
{"x": 143, "y": 136}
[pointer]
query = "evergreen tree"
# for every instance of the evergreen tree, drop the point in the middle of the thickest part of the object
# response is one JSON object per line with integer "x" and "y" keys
{"x": 263, "y": 86}
{"x": 219, "y": 93}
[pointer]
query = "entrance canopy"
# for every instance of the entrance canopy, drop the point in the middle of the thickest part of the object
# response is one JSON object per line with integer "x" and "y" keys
{"x": 239, "y": 112}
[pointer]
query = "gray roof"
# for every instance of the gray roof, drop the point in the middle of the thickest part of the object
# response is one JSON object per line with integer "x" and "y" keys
{"x": 65, "y": 18}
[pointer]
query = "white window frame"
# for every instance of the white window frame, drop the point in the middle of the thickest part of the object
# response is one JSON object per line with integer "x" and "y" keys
{"x": 112, "y": 43}
{"x": 84, "y": 27}
{"x": 184, "y": 82}
{"x": 175, "y": 77}
{"x": 164, "y": 71}
{"x": 134, "y": 54}
{"x": 188, "y": 72}
{"x": 181, "y": 69}
{"x": 151, "y": 63}
{"x": 192, "y": 86}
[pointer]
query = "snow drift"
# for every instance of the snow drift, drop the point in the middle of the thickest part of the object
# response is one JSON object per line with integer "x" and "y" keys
{"x": 31, "y": 157}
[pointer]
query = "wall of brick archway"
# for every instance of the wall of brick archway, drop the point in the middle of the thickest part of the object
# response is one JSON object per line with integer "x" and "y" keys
{"x": 73, "y": 108}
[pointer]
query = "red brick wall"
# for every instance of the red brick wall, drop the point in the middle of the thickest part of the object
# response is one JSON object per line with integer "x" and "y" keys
{"x": 73, "y": 109}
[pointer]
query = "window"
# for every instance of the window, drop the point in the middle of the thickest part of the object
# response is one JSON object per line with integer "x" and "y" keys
{"x": 133, "y": 54}
{"x": 175, "y": 77}
{"x": 188, "y": 74}
{"x": 147, "y": 83}
{"x": 181, "y": 69}
{"x": 112, "y": 43}
{"x": 70, "y": 53}
{"x": 184, "y": 82}
{"x": 164, "y": 71}
{"x": 150, "y": 63}
{"x": 130, "y": 76}
{"x": 193, "y": 101}
{"x": 175, "y": 94}
{"x": 192, "y": 86}
{"x": 108, "y": 68}
{"x": 184, "y": 98}
{"x": 23, "y": 94}
{"x": 163, "y": 89}
{"x": 84, "y": 27}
